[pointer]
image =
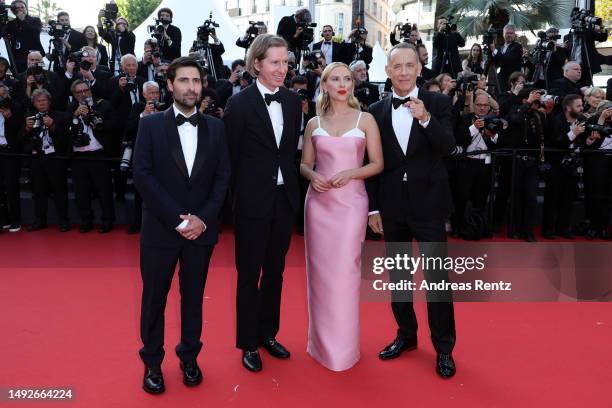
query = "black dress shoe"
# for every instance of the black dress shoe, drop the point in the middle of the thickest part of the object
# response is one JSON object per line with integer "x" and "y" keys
{"x": 37, "y": 226}
{"x": 590, "y": 234}
{"x": 192, "y": 375}
{"x": 153, "y": 382}
{"x": 396, "y": 348}
{"x": 105, "y": 228}
{"x": 275, "y": 348}
{"x": 445, "y": 365}
{"x": 64, "y": 227}
{"x": 251, "y": 360}
{"x": 85, "y": 228}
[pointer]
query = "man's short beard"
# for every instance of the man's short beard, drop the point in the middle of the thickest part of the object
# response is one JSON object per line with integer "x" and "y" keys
{"x": 182, "y": 103}
{"x": 575, "y": 115}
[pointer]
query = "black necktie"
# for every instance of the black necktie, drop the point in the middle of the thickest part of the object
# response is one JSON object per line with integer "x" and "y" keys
{"x": 193, "y": 119}
{"x": 269, "y": 98}
{"x": 397, "y": 102}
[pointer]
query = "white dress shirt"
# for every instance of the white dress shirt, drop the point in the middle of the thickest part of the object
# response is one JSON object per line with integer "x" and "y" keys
{"x": 327, "y": 51}
{"x": 3, "y": 141}
{"x": 94, "y": 144}
{"x": 275, "y": 111}
{"x": 189, "y": 144}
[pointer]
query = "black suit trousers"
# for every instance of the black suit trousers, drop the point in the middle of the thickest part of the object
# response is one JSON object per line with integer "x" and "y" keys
{"x": 50, "y": 175}
{"x": 440, "y": 314}
{"x": 10, "y": 204}
{"x": 157, "y": 267}
{"x": 93, "y": 176}
{"x": 261, "y": 247}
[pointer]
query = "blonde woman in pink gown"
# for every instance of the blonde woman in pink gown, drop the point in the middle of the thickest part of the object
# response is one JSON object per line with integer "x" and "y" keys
{"x": 336, "y": 213}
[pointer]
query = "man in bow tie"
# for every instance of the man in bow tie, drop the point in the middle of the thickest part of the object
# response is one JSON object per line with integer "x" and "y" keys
{"x": 411, "y": 198}
{"x": 263, "y": 125}
{"x": 182, "y": 171}
{"x": 333, "y": 51}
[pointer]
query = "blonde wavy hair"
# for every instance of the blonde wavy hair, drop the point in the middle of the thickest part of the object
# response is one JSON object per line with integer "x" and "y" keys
{"x": 324, "y": 101}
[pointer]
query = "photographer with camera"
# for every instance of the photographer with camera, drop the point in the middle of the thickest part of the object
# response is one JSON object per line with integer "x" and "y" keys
{"x": 525, "y": 131}
{"x": 46, "y": 136}
{"x": 115, "y": 31}
{"x": 446, "y": 43}
{"x": 598, "y": 172}
{"x": 570, "y": 83}
{"x": 151, "y": 60}
{"x": 23, "y": 34}
{"x": 210, "y": 52}
{"x": 586, "y": 30}
{"x": 126, "y": 87}
{"x": 333, "y": 51}
{"x": 255, "y": 28}
{"x": 297, "y": 31}
{"x": 84, "y": 66}
{"x": 37, "y": 77}
{"x": 69, "y": 41}
{"x": 148, "y": 105}
{"x": 92, "y": 134}
{"x": 549, "y": 59}
{"x": 237, "y": 81}
{"x": 567, "y": 132}
{"x": 365, "y": 92}
{"x": 209, "y": 105}
{"x": 407, "y": 33}
{"x": 357, "y": 48}
{"x": 168, "y": 36}
{"x": 509, "y": 58}
{"x": 11, "y": 142}
{"x": 474, "y": 171}
{"x": 314, "y": 64}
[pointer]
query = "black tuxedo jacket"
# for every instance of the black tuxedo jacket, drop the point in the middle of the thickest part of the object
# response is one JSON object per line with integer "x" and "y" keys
{"x": 340, "y": 51}
{"x": 122, "y": 100}
{"x": 100, "y": 89}
{"x": 429, "y": 191}
{"x": 60, "y": 134}
{"x": 25, "y": 37}
{"x": 254, "y": 153}
{"x": 286, "y": 29}
{"x": 163, "y": 181}
{"x": 171, "y": 52}
{"x": 509, "y": 62}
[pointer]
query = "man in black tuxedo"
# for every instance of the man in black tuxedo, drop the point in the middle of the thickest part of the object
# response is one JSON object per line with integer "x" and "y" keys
{"x": 509, "y": 58}
{"x": 411, "y": 198}
{"x": 24, "y": 33}
{"x": 263, "y": 127}
{"x": 181, "y": 170}
{"x": 333, "y": 51}
{"x": 98, "y": 78}
{"x": 72, "y": 40}
{"x": 170, "y": 39}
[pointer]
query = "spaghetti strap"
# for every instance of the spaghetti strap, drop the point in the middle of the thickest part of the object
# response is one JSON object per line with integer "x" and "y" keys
{"x": 358, "y": 119}
{"x": 318, "y": 121}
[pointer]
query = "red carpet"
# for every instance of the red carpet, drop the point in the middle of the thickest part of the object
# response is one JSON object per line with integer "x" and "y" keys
{"x": 69, "y": 318}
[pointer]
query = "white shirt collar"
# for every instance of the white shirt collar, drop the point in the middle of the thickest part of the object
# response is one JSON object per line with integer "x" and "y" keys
{"x": 176, "y": 111}
{"x": 263, "y": 90}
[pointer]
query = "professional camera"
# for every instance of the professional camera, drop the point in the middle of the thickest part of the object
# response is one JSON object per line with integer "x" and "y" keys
{"x": 495, "y": 124}
{"x": 4, "y": 17}
{"x": 126, "y": 157}
{"x": 93, "y": 117}
{"x": 38, "y": 72}
{"x": 405, "y": 30}
{"x": 467, "y": 83}
{"x": 157, "y": 105}
{"x": 39, "y": 121}
{"x": 207, "y": 28}
{"x": 157, "y": 29}
{"x": 77, "y": 58}
{"x": 131, "y": 81}
{"x": 211, "y": 109}
{"x": 450, "y": 26}
{"x": 245, "y": 75}
{"x": 111, "y": 11}
{"x": 357, "y": 35}
{"x": 303, "y": 94}
{"x": 78, "y": 137}
{"x": 583, "y": 20}
{"x": 362, "y": 94}
{"x": 57, "y": 30}
{"x": 604, "y": 130}
{"x": 307, "y": 34}
{"x": 161, "y": 78}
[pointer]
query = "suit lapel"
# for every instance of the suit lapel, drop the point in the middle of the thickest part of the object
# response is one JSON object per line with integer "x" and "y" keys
{"x": 287, "y": 115}
{"x": 415, "y": 132}
{"x": 388, "y": 126}
{"x": 203, "y": 138}
{"x": 260, "y": 107}
{"x": 174, "y": 141}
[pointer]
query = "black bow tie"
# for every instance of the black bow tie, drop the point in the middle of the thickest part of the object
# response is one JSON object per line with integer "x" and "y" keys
{"x": 269, "y": 98}
{"x": 193, "y": 119}
{"x": 397, "y": 102}
{"x": 327, "y": 42}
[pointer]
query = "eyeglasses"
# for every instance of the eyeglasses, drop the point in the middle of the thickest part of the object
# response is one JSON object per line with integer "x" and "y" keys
{"x": 82, "y": 91}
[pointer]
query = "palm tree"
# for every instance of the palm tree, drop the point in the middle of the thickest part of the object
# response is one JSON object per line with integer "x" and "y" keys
{"x": 476, "y": 16}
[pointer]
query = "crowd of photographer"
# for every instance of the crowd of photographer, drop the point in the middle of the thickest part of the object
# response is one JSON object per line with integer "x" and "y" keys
{"x": 511, "y": 107}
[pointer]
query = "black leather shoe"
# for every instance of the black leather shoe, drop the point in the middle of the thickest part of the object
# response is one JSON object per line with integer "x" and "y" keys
{"x": 445, "y": 365}
{"x": 37, "y": 226}
{"x": 251, "y": 360}
{"x": 105, "y": 228}
{"x": 153, "y": 382}
{"x": 85, "y": 228}
{"x": 192, "y": 375}
{"x": 275, "y": 348}
{"x": 590, "y": 234}
{"x": 396, "y": 348}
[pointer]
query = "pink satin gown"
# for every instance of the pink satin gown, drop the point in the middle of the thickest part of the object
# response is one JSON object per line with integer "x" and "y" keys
{"x": 334, "y": 229}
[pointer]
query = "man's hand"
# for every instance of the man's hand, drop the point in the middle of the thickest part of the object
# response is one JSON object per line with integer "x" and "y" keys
{"x": 578, "y": 128}
{"x": 48, "y": 121}
{"x": 80, "y": 111}
{"x": 298, "y": 32}
{"x": 29, "y": 123}
{"x": 122, "y": 83}
{"x": 479, "y": 123}
{"x": 204, "y": 105}
{"x": 195, "y": 227}
{"x": 533, "y": 96}
{"x": 417, "y": 107}
{"x": 87, "y": 74}
{"x": 375, "y": 222}
{"x": 233, "y": 78}
{"x": 149, "y": 109}
{"x": 604, "y": 116}
{"x": 30, "y": 80}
